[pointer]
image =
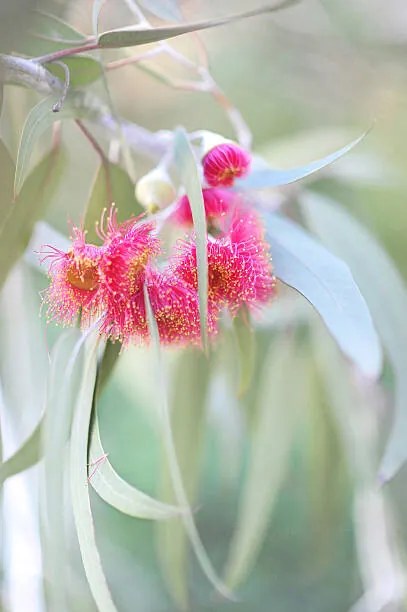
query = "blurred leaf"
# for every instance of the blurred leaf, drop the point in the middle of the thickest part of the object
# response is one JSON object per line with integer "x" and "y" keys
{"x": 188, "y": 170}
{"x": 326, "y": 282}
{"x": 78, "y": 476}
{"x": 132, "y": 36}
{"x": 38, "y": 120}
{"x": 379, "y": 551}
{"x": 188, "y": 404}
{"x": 279, "y": 404}
{"x": 82, "y": 70}
{"x": 112, "y": 184}
{"x": 6, "y": 179}
{"x": 109, "y": 360}
{"x": 48, "y": 33}
{"x": 18, "y": 223}
{"x": 386, "y": 295}
{"x": 270, "y": 177}
{"x": 96, "y": 8}
{"x": 15, "y": 22}
{"x": 27, "y": 455}
{"x": 246, "y": 345}
{"x": 164, "y": 9}
{"x": 62, "y": 382}
{"x": 117, "y": 492}
{"x": 172, "y": 459}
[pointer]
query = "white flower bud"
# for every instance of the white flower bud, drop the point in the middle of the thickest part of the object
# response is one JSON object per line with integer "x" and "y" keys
{"x": 155, "y": 190}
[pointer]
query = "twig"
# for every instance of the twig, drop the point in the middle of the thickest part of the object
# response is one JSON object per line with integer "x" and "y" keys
{"x": 56, "y": 55}
{"x": 58, "y": 105}
{"x": 103, "y": 158}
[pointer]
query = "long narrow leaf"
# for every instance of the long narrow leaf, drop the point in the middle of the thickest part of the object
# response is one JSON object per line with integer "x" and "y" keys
{"x": 188, "y": 170}
{"x": 165, "y": 9}
{"x": 17, "y": 226}
{"x": 174, "y": 468}
{"x": 79, "y": 490}
{"x": 117, "y": 492}
{"x": 27, "y": 455}
{"x": 55, "y": 433}
{"x": 130, "y": 37}
{"x": 386, "y": 295}
{"x": 188, "y": 412}
{"x": 380, "y": 554}
{"x": 38, "y": 120}
{"x": 271, "y": 177}
{"x": 327, "y": 283}
{"x": 279, "y": 404}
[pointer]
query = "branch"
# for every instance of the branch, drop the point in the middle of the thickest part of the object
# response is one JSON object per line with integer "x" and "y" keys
{"x": 20, "y": 71}
{"x": 30, "y": 74}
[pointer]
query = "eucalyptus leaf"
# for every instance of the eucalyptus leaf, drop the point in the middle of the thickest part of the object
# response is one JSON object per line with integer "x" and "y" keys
{"x": 386, "y": 295}
{"x": 112, "y": 184}
{"x": 48, "y": 33}
{"x": 171, "y": 454}
{"x": 78, "y": 477}
{"x": 327, "y": 283}
{"x": 132, "y": 36}
{"x": 264, "y": 176}
{"x": 110, "y": 356}
{"x": 7, "y": 171}
{"x": 62, "y": 381}
{"x": 117, "y": 492}
{"x": 279, "y": 405}
{"x": 18, "y": 223}
{"x": 38, "y": 120}
{"x": 83, "y": 70}
{"x": 27, "y": 455}
{"x": 164, "y": 9}
{"x": 379, "y": 551}
{"x": 188, "y": 404}
{"x": 188, "y": 170}
{"x": 246, "y": 345}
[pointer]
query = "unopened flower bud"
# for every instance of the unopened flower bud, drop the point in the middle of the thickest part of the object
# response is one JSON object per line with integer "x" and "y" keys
{"x": 155, "y": 190}
{"x": 224, "y": 163}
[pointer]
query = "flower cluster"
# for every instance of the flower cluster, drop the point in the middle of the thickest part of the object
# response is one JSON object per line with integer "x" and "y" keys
{"x": 106, "y": 283}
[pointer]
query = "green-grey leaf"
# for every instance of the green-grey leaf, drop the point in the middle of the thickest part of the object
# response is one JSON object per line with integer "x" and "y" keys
{"x": 27, "y": 455}
{"x": 117, "y": 492}
{"x": 57, "y": 424}
{"x": 327, "y": 283}
{"x": 188, "y": 403}
{"x": 7, "y": 171}
{"x": 38, "y": 120}
{"x": 271, "y": 177}
{"x": 18, "y": 223}
{"x": 188, "y": 170}
{"x": 112, "y": 184}
{"x": 279, "y": 404}
{"x": 130, "y": 37}
{"x": 83, "y": 70}
{"x": 386, "y": 295}
{"x": 79, "y": 486}
{"x": 47, "y": 34}
{"x": 171, "y": 453}
{"x": 246, "y": 345}
{"x": 165, "y": 9}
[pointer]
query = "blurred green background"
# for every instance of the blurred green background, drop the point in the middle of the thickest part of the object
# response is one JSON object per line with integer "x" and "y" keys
{"x": 307, "y": 81}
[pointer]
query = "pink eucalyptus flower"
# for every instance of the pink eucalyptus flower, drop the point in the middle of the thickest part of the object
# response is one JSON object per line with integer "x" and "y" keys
{"x": 75, "y": 287}
{"x": 122, "y": 268}
{"x": 217, "y": 202}
{"x": 224, "y": 163}
{"x": 239, "y": 265}
{"x": 176, "y": 310}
